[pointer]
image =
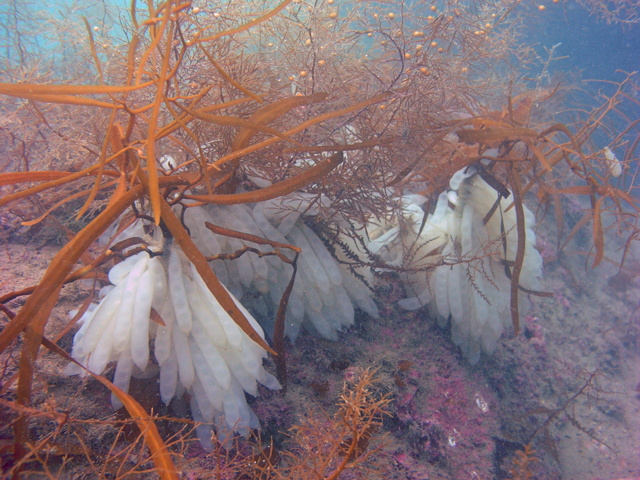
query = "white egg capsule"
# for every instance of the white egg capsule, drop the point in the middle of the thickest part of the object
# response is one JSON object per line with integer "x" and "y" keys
{"x": 613, "y": 164}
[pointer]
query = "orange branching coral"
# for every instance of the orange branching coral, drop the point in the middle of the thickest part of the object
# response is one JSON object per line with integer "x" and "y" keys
{"x": 324, "y": 446}
{"x": 523, "y": 461}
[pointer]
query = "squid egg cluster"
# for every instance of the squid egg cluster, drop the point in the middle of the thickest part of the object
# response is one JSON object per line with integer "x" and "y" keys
{"x": 197, "y": 346}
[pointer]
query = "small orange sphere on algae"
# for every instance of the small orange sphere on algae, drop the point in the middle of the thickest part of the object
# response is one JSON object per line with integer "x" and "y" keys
{"x": 434, "y": 44}
{"x": 391, "y": 16}
{"x": 382, "y": 107}
{"x": 303, "y": 73}
{"x": 542, "y": 8}
{"x": 333, "y": 15}
{"x": 291, "y": 79}
{"x": 407, "y": 56}
{"x": 434, "y": 8}
{"x": 424, "y": 70}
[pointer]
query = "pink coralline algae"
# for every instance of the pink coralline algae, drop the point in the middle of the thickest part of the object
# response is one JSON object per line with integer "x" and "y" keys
{"x": 535, "y": 333}
{"x": 562, "y": 300}
{"x": 450, "y": 423}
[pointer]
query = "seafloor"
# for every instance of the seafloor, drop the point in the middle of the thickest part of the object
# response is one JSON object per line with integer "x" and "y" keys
{"x": 448, "y": 420}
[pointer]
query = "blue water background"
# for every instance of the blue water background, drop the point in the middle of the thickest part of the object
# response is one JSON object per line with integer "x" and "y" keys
{"x": 593, "y": 47}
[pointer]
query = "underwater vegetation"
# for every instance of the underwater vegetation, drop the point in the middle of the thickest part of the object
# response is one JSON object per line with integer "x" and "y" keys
{"x": 221, "y": 180}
